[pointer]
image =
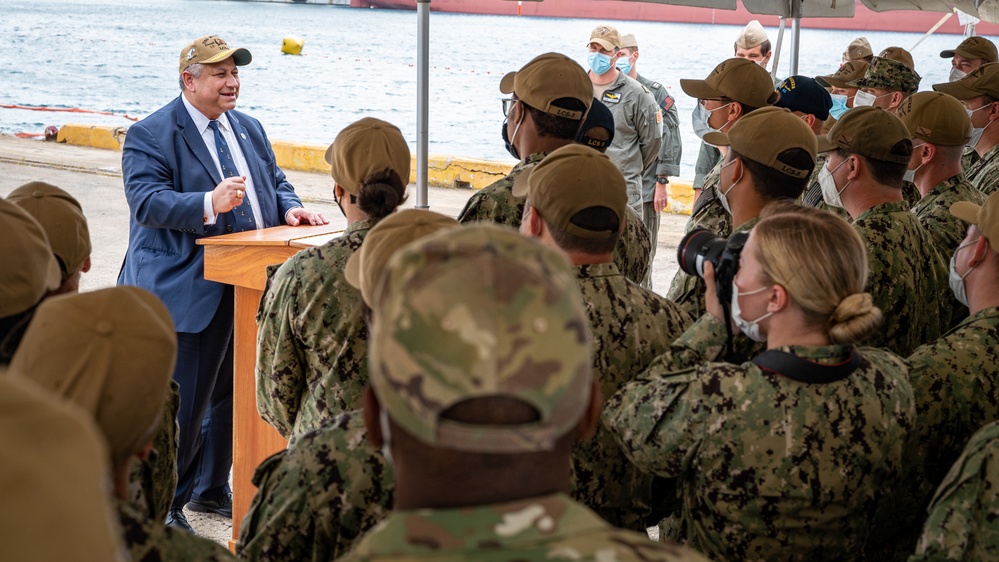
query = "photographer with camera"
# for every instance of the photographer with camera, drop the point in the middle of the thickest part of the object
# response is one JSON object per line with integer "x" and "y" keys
{"x": 785, "y": 456}
{"x": 869, "y": 151}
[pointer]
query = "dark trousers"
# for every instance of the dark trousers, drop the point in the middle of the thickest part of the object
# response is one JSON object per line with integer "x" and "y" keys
{"x": 204, "y": 373}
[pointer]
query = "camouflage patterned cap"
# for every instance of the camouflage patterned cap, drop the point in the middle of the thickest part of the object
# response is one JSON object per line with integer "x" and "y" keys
{"x": 850, "y": 71}
{"x": 858, "y": 49}
{"x": 367, "y": 146}
{"x": 30, "y": 268}
{"x": 870, "y": 132}
{"x": 974, "y": 47}
{"x": 548, "y": 78}
{"x": 764, "y": 134}
{"x": 936, "y": 118}
{"x": 61, "y": 216}
{"x": 985, "y": 217}
{"x": 741, "y": 80}
{"x": 475, "y": 312}
{"x": 365, "y": 267}
{"x": 982, "y": 81}
{"x": 891, "y": 70}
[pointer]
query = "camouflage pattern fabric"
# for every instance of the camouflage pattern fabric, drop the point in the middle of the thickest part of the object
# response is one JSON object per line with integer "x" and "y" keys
{"x": 497, "y": 203}
{"x": 312, "y": 342}
{"x": 631, "y": 326}
{"x": 316, "y": 499}
{"x": 770, "y": 468}
{"x": 888, "y": 74}
{"x": 908, "y": 278}
{"x": 962, "y": 524}
{"x": 982, "y": 171}
{"x": 546, "y": 528}
{"x": 933, "y": 212}
{"x": 149, "y": 540}
{"x": 152, "y": 482}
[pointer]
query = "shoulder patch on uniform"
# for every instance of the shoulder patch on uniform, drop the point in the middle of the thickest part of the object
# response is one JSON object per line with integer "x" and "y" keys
{"x": 647, "y": 91}
{"x": 656, "y": 85}
{"x": 667, "y": 102}
{"x": 610, "y": 97}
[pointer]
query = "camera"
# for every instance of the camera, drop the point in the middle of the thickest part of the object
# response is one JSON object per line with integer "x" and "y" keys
{"x": 700, "y": 245}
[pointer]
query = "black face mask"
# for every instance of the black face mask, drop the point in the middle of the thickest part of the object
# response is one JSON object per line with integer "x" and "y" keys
{"x": 509, "y": 146}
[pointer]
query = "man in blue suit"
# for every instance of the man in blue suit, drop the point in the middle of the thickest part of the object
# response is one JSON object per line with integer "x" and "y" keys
{"x": 198, "y": 168}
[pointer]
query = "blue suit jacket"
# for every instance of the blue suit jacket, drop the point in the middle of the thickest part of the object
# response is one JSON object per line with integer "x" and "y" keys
{"x": 167, "y": 169}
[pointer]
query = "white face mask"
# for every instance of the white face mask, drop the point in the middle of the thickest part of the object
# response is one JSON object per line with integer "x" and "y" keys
{"x": 956, "y": 74}
{"x": 862, "y": 98}
{"x": 700, "y": 119}
{"x": 830, "y": 193}
{"x": 910, "y": 175}
{"x": 749, "y": 327}
{"x": 976, "y": 133}
{"x": 723, "y": 193}
{"x": 956, "y": 280}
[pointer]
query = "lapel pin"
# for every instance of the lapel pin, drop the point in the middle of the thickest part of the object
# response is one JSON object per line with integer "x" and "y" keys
{"x": 242, "y": 136}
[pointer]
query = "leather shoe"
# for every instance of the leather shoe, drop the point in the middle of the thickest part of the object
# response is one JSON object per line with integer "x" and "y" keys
{"x": 221, "y": 506}
{"x": 176, "y": 519}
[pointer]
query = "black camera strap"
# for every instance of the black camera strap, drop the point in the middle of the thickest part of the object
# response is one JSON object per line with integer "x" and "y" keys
{"x": 708, "y": 195}
{"x": 802, "y": 370}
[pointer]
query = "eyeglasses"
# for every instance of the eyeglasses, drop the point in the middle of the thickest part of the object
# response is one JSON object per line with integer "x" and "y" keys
{"x": 702, "y": 100}
{"x": 507, "y": 105}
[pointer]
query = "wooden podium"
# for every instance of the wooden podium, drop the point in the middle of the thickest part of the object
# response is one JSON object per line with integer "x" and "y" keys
{"x": 240, "y": 259}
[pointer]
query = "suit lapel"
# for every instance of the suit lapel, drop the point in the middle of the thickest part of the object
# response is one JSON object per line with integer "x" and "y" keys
{"x": 197, "y": 144}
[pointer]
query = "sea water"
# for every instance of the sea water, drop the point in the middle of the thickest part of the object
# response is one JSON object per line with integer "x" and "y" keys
{"x": 121, "y": 56}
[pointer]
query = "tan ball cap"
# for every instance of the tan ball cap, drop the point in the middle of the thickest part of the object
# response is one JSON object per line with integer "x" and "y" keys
{"x": 850, "y": 71}
{"x": 571, "y": 179}
{"x": 211, "y": 49}
{"x": 365, "y": 147}
{"x": 982, "y": 81}
{"x": 606, "y": 36}
{"x": 871, "y": 132}
{"x": 111, "y": 352}
{"x": 365, "y": 267}
{"x": 985, "y": 217}
{"x": 974, "y": 47}
{"x": 936, "y": 118}
{"x": 737, "y": 79}
{"x": 61, "y": 216}
{"x": 752, "y": 35}
{"x": 764, "y": 134}
{"x": 858, "y": 49}
{"x": 628, "y": 41}
{"x": 29, "y": 267}
{"x": 547, "y": 78}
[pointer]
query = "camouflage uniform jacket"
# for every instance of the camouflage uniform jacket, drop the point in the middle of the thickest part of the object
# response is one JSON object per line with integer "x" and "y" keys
{"x": 770, "y": 468}
{"x": 497, "y": 203}
{"x": 315, "y": 499}
{"x": 933, "y": 212}
{"x": 312, "y": 343}
{"x": 152, "y": 482}
{"x": 962, "y": 524}
{"x": 982, "y": 171}
{"x": 668, "y": 163}
{"x": 631, "y": 327}
{"x": 546, "y": 528}
{"x": 910, "y": 287}
{"x": 149, "y": 540}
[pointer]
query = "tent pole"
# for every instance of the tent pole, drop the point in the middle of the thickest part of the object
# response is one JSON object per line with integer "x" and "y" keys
{"x": 422, "y": 100}
{"x": 795, "y": 34}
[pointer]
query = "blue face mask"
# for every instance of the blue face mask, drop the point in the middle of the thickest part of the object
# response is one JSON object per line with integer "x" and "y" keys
{"x": 623, "y": 65}
{"x": 838, "y": 107}
{"x": 599, "y": 62}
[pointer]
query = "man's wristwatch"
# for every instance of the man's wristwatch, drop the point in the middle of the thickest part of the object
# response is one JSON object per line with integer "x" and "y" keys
{"x": 662, "y": 179}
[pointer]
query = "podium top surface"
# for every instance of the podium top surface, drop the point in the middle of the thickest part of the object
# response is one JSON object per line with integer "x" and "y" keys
{"x": 274, "y": 236}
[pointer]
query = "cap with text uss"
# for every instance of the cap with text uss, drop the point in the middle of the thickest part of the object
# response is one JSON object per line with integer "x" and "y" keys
{"x": 365, "y": 147}
{"x": 599, "y": 116}
{"x": 936, "y": 118}
{"x": 974, "y": 47}
{"x": 474, "y": 312}
{"x": 30, "y": 268}
{"x": 890, "y": 70}
{"x": 850, "y": 71}
{"x": 985, "y": 217}
{"x": 764, "y": 134}
{"x": 211, "y": 49}
{"x": 61, "y": 216}
{"x": 365, "y": 266}
{"x": 870, "y": 132}
{"x": 858, "y": 49}
{"x": 740, "y": 80}
{"x": 752, "y": 35}
{"x": 982, "y": 81}
{"x": 574, "y": 178}
{"x": 606, "y": 36}
{"x": 628, "y": 41}
{"x": 548, "y": 78}
{"x": 804, "y": 94}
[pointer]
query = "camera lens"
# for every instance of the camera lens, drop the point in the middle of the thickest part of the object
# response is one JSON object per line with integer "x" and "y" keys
{"x": 697, "y": 246}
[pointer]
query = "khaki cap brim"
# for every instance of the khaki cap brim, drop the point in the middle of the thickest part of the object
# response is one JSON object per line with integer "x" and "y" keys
{"x": 717, "y": 139}
{"x": 958, "y": 90}
{"x": 966, "y": 211}
{"x": 832, "y": 82}
{"x": 352, "y": 271}
{"x": 603, "y": 43}
{"x": 521, "y": 183}
{"x": 699, "y": 89}
{"x": 506, "y": 84}
{"x": 824, "y": 144}
{"x": 240, "y": 56}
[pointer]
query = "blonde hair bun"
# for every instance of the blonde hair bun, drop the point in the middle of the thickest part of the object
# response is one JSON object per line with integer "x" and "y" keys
{"x": 854, "y": 319}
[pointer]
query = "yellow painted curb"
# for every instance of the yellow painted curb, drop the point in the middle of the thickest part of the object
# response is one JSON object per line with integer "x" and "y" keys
{"x": 109, "y": 138}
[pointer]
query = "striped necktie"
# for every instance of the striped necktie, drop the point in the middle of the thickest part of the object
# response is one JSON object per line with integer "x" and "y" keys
{"x": 242, "y": 214}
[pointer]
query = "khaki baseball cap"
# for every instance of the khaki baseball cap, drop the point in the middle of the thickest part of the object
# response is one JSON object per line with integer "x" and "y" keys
{"x": 858, "y": 49}
{"x": 628, "y": 41}
{"x": 871, "y": 132}
{"x": 211, "y": 49}
{"x": 974, "y": 47}
{"x": 893, "y": 72}
{"x": 752, "y": 35}
{"x": 764, "y": 134}
{"x": 111, "y": 352}
{"x": 985, "y": 217}
{"x": 571, "y": 179}
{"x": 898, "y": 54}
{"x": 936, "y": 118}
{"x": 850, "y": 71}
{"x": 365, "y": 267}
{"x": 548, "y": 78}
{"x": 481, "y": 311}
{"x": 982, "y": 81}
{"x": 61, "y": 216}
{"x": 606, "y": 36}
{"x": 365, "y": 147}
{"x": 30, "y": 268}
{"x": 737, "y": 79}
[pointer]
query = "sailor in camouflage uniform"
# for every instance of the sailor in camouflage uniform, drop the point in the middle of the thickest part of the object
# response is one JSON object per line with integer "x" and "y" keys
{"x": 889, "y": 80}
{"x": 783, "y": 457}
{"x": 576, "y": 201}
{"x": 152, "y": 481}
{"x": 869, "y": 149}
{"x": 482, "y": 382}
{"x": 117, "y": 349}
{"x": 312, "y": 340}
{"x": 554, "y": 93}
{"x": 979, "y": 94}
